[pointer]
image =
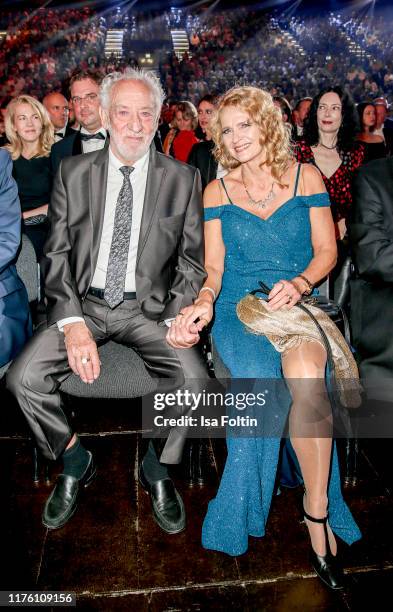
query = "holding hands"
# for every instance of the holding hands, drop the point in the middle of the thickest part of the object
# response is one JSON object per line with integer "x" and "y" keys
{"x": 186, "y": 327}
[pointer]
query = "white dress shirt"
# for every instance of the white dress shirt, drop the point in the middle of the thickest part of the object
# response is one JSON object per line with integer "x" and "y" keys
{"x": 95, "y": 144}
{"x": 138, "y": 180}
{"x": 59, "y": 134}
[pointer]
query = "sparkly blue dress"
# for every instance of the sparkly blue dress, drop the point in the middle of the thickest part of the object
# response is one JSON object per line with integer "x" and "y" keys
{"x": 268, "y": 250}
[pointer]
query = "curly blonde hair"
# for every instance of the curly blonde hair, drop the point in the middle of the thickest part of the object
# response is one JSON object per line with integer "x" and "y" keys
{"x": 275, "y": 135}
{"x": 47, "y": 136}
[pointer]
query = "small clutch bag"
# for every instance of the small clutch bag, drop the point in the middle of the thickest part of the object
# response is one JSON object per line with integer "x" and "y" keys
{"x": 307, "y": 320}
{"x": 328, "y": 306}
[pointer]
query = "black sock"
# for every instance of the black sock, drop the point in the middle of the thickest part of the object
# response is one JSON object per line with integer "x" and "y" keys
{"x": 75, "y": 460}
{"x": 152, "y": 468}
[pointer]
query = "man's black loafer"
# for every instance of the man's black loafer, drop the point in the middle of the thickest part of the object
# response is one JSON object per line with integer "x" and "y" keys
{"x": 168, "y": 507}
{"x": 63, "y": 501}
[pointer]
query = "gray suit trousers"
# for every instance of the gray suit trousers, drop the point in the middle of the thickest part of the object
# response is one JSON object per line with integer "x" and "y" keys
{"x": 35, "y": 376}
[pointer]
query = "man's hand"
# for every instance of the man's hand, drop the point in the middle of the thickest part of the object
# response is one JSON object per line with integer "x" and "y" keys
{"x": 178, "y": 336}
{"x": 185, "y": 329}
{"x": 82, "y": 351}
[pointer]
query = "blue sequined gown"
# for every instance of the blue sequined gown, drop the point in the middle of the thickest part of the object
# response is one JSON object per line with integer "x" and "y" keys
{"x": 268, "y": 250}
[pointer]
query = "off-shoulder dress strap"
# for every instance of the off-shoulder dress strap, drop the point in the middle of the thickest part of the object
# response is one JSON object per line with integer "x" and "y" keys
{"x": 225, "y": 189}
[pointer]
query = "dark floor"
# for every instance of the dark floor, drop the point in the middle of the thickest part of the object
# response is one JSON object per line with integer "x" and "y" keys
{"x": 115, "y": 557}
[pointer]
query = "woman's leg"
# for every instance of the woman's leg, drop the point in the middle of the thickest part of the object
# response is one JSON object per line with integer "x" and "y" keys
{"x": 310, "y": 428}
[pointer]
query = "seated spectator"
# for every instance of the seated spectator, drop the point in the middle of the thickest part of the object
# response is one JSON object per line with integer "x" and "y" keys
{"x": 205, "y": 112}
{"x": 166, "y": 117}
{"x": 201, "y": 155}
{"x": 329, "y": 143}
{"x": 186, "y": 119}
{"x": 57, "y": 106}
{"x": 84, "y": 88}
{"x": 15, "y": 321}
{"x": 283, "y": 104}
{"x": 31, "y": 135}
{"x": 384, "y": 125}
{"x": 371, "y": 238}
{"x": 299, "y": 115}
{"x": 374, "y": 144}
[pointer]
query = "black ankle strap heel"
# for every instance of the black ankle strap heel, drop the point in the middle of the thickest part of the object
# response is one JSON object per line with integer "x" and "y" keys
{"x": 326, "y": 566}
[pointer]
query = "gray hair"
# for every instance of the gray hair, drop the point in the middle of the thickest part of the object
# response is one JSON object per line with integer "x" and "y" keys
{"x": 146, "y": 77}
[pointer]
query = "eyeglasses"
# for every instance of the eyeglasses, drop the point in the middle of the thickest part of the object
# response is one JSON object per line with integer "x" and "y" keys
{"x": 90, "y": 98}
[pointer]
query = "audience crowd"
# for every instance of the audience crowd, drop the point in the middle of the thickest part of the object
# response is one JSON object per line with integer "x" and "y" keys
{"x": 292, "y": 56}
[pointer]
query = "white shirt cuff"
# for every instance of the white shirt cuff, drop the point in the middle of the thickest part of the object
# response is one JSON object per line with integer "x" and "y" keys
{"x": 168, "y": 322}
{"x": 66, "y": 321}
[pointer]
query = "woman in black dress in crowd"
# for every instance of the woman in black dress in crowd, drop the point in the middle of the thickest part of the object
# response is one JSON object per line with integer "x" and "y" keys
{"x": 374, "y": 144}
{"x": 201, "y": 155}
{"x": 31, "y": 135}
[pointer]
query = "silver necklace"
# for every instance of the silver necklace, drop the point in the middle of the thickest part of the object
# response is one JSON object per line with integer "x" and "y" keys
{"x": 259, "y": 203}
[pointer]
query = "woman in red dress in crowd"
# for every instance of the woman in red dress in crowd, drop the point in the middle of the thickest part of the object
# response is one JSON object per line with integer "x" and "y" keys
{"x": 180, "y": 142}
{"x": 329, "y": 143}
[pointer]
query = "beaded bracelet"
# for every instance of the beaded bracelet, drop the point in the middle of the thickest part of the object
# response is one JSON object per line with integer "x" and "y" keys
{"x": 308, "y": 283}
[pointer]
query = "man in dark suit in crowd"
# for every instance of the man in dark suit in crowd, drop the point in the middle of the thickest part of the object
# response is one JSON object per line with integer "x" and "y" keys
{"x": 124, "y": 256}
{"x": 371, "y": 236}
{"x": 299, "y": 115}
{"x": 84, "y": 90}
{"x": 57, "y": 106}
{"x": 384, "y": 124}
{"x": 15, "y": 323}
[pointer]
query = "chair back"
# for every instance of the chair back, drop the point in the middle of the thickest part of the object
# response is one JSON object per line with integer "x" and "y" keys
{"x": 342, "y": 283}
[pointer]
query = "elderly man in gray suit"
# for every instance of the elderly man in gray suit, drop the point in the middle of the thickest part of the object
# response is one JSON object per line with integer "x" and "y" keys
{"x": 124, "y": 256}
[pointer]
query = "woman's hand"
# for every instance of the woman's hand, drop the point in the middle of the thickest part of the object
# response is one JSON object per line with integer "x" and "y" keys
{"x": 284, "y": 294}
{"x": 185, "y": 328}
{"x": 199, "y": 314}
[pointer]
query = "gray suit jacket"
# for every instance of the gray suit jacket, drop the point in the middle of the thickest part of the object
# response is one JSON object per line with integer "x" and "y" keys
{"x": 169, "y": 266}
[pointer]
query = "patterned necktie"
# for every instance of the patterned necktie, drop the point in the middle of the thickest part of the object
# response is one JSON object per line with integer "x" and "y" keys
{"x": 118, "y": 254}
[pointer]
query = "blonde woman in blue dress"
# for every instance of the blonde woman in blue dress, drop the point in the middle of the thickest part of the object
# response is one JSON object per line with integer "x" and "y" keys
{"x": 269, "y": 219}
